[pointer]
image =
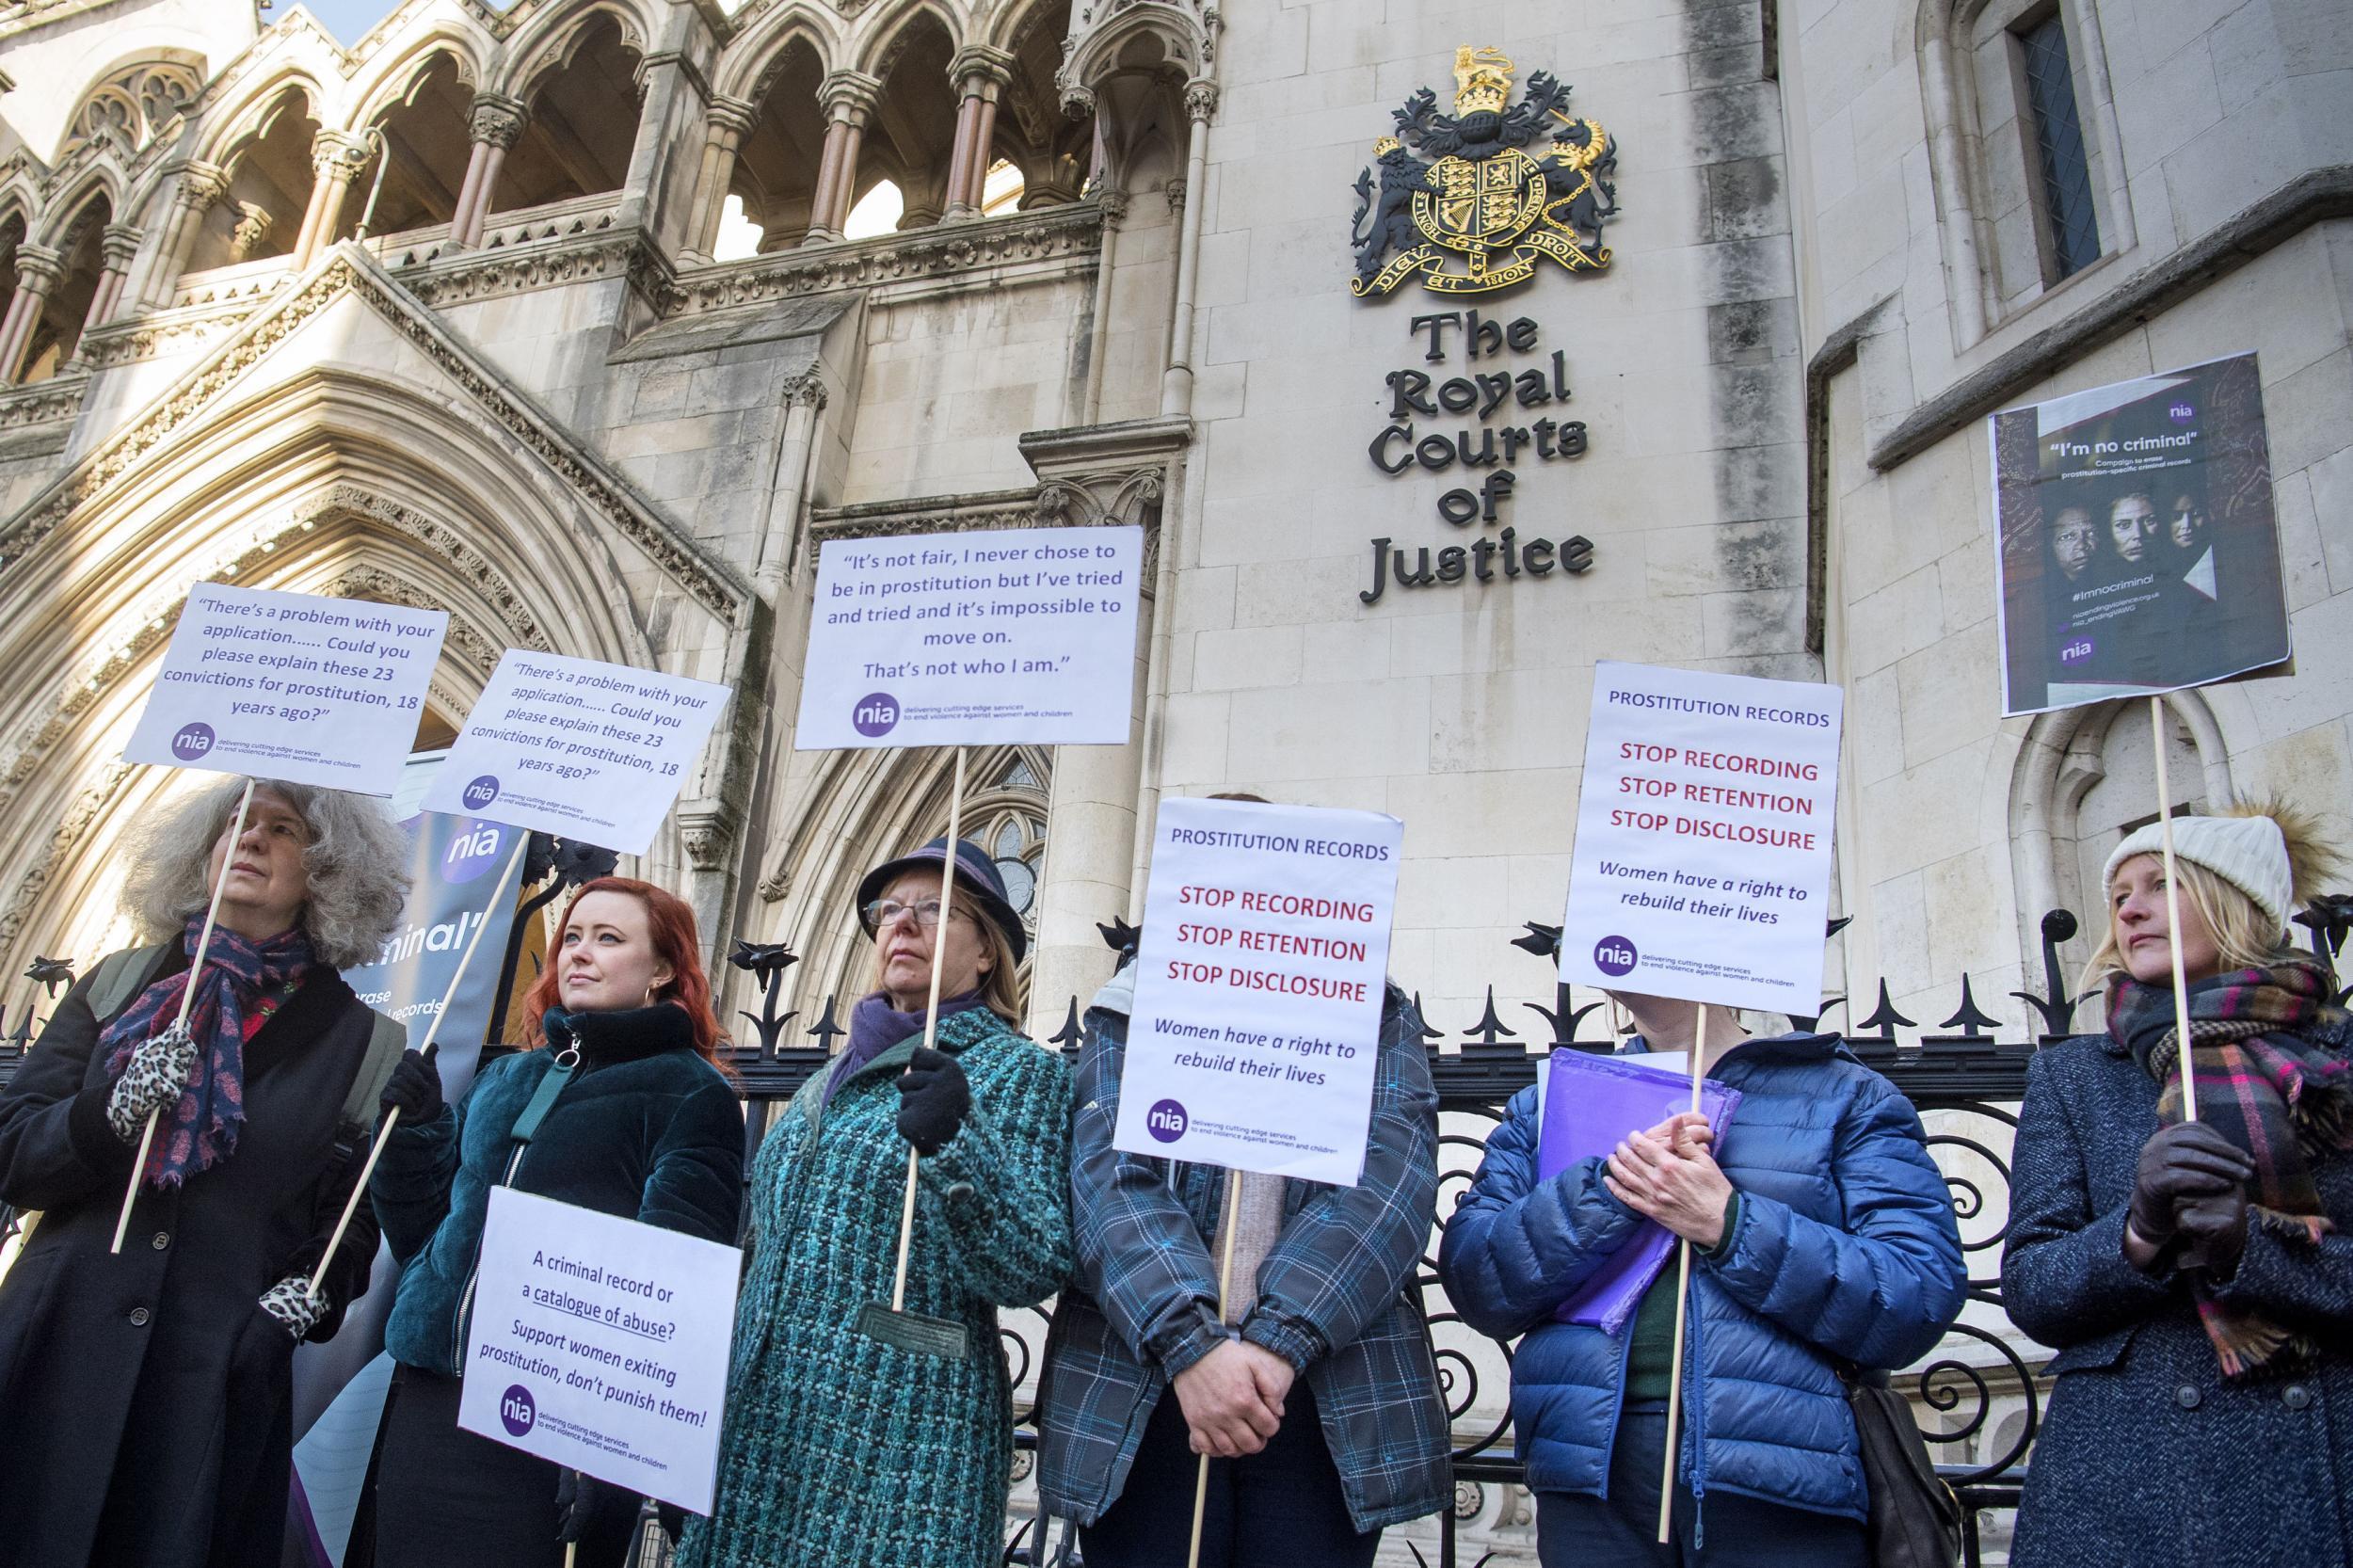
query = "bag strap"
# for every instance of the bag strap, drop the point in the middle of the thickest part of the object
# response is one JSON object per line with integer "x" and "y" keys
{"x": 388, "y": 1039}
{"x": 543, "y": 1098}
{"x": 120, "y": 976}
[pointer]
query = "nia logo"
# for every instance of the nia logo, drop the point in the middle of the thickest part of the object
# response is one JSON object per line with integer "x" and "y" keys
{"x": 472, "y": 849}
{"x": 1166, "y": 1121}
{"x": 193, "y": 741}
{"x": 875, "y": 714}
{"x": 2183, "y": 413}
{"x": 516, "y": 1411}
{"x": 2076, "y": 650}
{"x": 480, "y": 793}
{"x": 1615, "y": 956}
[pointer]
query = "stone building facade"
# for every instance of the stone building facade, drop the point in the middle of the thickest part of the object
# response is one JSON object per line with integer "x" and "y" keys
{"x": 576, "y": 320}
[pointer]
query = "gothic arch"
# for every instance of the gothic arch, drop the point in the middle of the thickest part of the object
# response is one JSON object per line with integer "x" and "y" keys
{"x": 897, "y": 26}
{"x": 2058, "y": 761}
{"x": 65, "y": 213}
{"x": 388, "y": 82}
{"x": 230, "y": 129}
{"x": 546, "y": 44}
{"x": 861, "y": 808}
{"x": 747, "y": 66}
{"x": 1156, "y": 39}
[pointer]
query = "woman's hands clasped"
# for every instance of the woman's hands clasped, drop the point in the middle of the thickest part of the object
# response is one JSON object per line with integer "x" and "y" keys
{"x": 1669, "y": 1174}
{"x": 1233, "y": 1399}
{"x": 2190, "y": 1186}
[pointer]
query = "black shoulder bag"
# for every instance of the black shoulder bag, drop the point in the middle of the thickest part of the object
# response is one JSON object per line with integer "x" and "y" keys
{"x": 1915, "y": 1518}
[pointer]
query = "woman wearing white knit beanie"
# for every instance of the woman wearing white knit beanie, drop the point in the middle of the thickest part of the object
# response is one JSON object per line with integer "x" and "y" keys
{"x": 2195, "y": 1276}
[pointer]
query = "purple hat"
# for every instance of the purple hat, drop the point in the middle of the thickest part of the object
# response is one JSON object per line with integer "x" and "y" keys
{"x": 976, "y": 875}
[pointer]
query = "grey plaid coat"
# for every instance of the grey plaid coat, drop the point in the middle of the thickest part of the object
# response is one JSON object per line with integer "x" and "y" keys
{"x": 1336, "y": 1298}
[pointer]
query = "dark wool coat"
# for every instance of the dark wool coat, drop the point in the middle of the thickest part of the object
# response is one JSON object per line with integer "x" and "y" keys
{"x": 157, "y": 1367}
{"x": 2147, "y": 1458}
{"x": 841, "y": 1451}
{"x": 647, "y": 1130}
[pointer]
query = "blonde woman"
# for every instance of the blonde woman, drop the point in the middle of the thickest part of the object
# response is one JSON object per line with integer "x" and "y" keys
{"x": 2195, "y": 1276}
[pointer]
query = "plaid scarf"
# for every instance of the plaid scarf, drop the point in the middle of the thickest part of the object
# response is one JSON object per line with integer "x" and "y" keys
{"x": 200, "y": 1129}
{"x": 2266, "y": 1086}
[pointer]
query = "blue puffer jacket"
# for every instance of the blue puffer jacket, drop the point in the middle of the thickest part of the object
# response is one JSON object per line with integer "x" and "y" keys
{"x": 1845, "y": 1247}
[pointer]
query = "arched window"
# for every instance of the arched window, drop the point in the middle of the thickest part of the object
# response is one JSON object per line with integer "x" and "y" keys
{"x": 1048, "y": 151}
{"x": 132, "y": 103}
{"x": 582, "y": 127}
{"x": 269, "y": 190}
{"x": 59, "y": 332}
{"x": 774, "y": 183}
{"x": 912, "y": 135}
{"x": 427, "y": 143}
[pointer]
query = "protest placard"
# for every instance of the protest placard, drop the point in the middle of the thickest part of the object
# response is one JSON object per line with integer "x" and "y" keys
{"x": 1256, "y": 1023}
{"x": 453, "y": 864}
{"x": 290, "y": 686}
{"x": 2139, "y": 550}
{"x": 601, "y": 1344}
{"x": 577, "y": 748}
{"x": 1014, "y": 634}
{"x": 1704, "y": 837}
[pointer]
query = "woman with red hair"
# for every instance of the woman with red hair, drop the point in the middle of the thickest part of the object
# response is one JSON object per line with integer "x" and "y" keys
{"x": 642, "y": 1124}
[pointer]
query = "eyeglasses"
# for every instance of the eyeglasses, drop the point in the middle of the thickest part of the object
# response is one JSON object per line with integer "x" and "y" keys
{"x": 884, "y": 910}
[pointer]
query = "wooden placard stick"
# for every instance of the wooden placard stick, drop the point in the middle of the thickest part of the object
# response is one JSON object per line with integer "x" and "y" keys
{"x": 2173, "y": 916}
{"x": 931, "y": 1018}
{"x": 1683, "y": 1302}
{"x": 432, "y": 1032}
{"x": 188, "y": 1001}
{"x": 1232, "y": 1217}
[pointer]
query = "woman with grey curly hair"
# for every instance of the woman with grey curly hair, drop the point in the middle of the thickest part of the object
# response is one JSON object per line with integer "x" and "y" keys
{"x": 145, "y": 1398}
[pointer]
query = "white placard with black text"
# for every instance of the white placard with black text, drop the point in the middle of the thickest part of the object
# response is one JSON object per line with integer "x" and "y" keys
{"x": 584, "y": 750}
{"x": 1255, "y": 1032}
{"x": 297, "y": 687}
{"x": 1703, "y": 854}
{"x": 601, "y": 1344}
{"x": 1012, "y": 636}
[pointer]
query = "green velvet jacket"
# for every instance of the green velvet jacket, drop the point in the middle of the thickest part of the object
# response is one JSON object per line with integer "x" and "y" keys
{"x": 845, "y": 1451}
{"x": 647, "y": 1130}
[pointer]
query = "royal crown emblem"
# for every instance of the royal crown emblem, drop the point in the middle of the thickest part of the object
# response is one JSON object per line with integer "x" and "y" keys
{"x": 1480, "y": 212}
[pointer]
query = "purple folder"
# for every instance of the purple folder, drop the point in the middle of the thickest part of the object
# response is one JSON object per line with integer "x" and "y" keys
{"x": 1591, "y": 1103}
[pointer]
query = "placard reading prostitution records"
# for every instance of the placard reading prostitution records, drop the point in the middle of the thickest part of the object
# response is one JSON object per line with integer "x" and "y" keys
{"x": 577, "y": 748}
{"x": 299, "y": 687}
{"x": 1704, "y": 837}
{"x": 2139, "y": 551}
{"x": 1257, "y": 1024}
{"x": 1015, "y": 634}
{"x": 601, "y": 1344}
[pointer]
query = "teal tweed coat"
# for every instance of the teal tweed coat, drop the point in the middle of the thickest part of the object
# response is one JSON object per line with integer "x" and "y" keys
{"x": 843, "y": 1451}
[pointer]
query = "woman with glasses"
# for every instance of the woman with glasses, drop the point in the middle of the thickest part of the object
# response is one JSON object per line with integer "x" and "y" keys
{"x": 859, "y": 1439}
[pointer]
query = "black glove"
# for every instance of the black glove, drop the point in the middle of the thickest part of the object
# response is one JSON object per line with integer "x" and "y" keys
{"x": 414, "y": 1088}
{"x": 934, "y": 1099}
{"x": 2214, "y": 1232}
{"x": 578, "y": 1498}
{"x": 2184, "y": 1165}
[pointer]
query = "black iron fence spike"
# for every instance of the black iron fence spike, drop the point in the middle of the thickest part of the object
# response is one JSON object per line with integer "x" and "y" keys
{"x": 1070, "y": 1033}
{"x": 1971, "y": 1019}
{"x": 1490, "y": 1029}
{"x": 1885, "y": 1018}
{"x": 825, "y": 1030}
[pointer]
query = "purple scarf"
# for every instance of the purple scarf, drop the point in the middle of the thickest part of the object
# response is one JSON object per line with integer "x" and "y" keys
{"x": 200, "y": 1129}
{"x": 875, "y": 1026}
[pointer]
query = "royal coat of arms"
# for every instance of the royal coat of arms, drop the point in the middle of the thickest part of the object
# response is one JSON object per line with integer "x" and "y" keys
{"x": 1504, "y": 183}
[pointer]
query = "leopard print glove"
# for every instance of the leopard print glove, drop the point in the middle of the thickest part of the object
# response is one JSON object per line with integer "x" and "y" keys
{"x": 158, "y": 1070}
{"x": 289, "y": 1301}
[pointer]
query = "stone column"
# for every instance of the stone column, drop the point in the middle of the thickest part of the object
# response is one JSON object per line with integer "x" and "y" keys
{"x": 1177, "y": 382}
{"x": 788, "y": 496}
{"x": 38, "y": 269}
{"x": 119, "y": 245}
{"x": 726, "y": 123}
{"x": 664, "y": 79}
{"x": 977, "y": 73}
{"x": 496, "y": 124}
{"x": 201, "y": 186}
{"x": 849, "y": 97}
{"x": 336, "y": 160}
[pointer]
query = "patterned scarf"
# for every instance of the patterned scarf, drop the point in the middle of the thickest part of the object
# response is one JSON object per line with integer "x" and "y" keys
{"x": 202, "y": 1129}
{"x": 2266, "y": 1085}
